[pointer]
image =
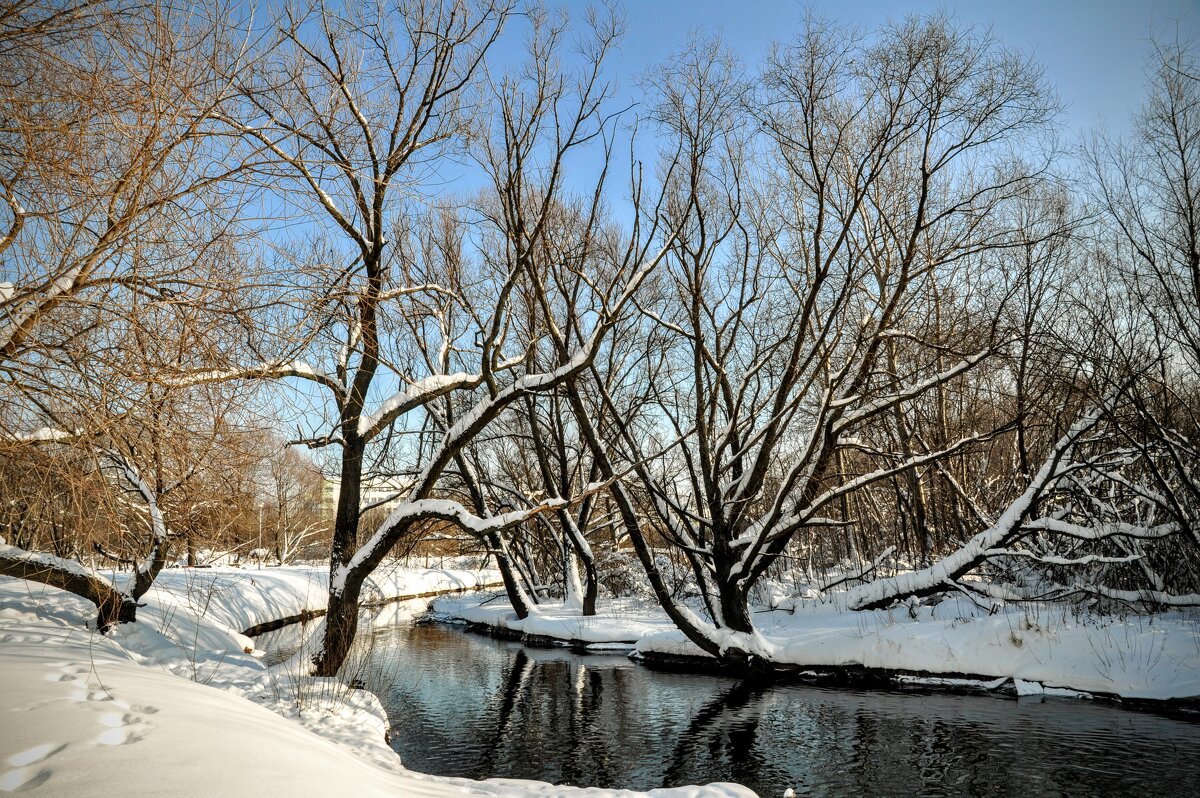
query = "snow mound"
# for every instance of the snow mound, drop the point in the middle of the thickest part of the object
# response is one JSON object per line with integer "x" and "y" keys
{"x": 173, "y": 704}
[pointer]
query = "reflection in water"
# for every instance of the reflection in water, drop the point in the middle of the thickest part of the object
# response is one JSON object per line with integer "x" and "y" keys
{"x": 466, "y": 705}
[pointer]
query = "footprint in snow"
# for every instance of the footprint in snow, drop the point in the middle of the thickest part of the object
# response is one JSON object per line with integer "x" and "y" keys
{"x": 67, "y": 672}
{"x": 90, "y": 695}
{"x": 22, "y": 779}
{"x": 32, "y": 756}
{"x": 124, "y": 728}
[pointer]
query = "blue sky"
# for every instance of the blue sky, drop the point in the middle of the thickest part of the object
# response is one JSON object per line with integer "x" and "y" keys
{"x": 1094, "y": 51}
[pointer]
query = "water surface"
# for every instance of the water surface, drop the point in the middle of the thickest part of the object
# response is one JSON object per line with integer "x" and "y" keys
{"x": 465, "y": 705}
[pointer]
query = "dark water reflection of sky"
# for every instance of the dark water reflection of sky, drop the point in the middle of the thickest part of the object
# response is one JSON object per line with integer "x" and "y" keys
{"x": 466, "y": 705}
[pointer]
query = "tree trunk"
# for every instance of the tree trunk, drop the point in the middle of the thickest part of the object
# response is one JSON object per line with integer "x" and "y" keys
{"x": 572, "y": 587}
{"x": 591, "y": 586}
{"x": 112, "y": 605}
{"x": 341, "y": 627}
{"x": 341, "y": 618}
{"x": 516, "y": 596}
{"x": 732, "y": 598}
{"x": 345, "y": 522}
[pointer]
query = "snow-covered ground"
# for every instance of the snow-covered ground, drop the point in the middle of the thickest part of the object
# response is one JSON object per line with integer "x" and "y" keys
{"x": 174, "y": 704}
{"x": 241, "y": 598}
{"x": 1037, "y": 647}
{"x": 617, "y": 624}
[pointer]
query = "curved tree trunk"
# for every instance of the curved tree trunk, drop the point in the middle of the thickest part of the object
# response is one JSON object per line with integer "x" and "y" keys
{"x": 936, "y": 577}
{"x": 512, "y": 587}
{"x": 113, "y": 606}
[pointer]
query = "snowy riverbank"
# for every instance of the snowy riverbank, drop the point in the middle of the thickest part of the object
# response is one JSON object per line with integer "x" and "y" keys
{"x": 1031, "y": 647}
{"x": 241, "y": 599}
{"x": 174, "y": 704}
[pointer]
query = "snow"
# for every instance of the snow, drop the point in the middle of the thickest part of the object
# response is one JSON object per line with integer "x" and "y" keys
{"x": 1062, "y": 651}
{"x": 273, "y": 369}
{"x": 618, "y": 624}
{"x": 415, "y": 394}
{"x": 44, "y": 435}
{"x": 240, "y": 598}
{"x": 174, "y": 705}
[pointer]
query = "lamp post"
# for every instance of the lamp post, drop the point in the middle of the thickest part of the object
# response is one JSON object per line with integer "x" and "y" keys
{"x": 259, "y": 549}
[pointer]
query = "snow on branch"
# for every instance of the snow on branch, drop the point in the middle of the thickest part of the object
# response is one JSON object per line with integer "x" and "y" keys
{"x": 1101, "y": 531}
{"x": 908, "y": 392}
{"x": 114, "y": 606}
{"x": 489, "y": 408}
{"x": 145, "y": 571}
{"x": 781, "y": 523}
{"x": 1152, "y": 597}
{"x": 411, "y": 512}
{"x": 420, "y": 507}
{"x": 1054, "y": 559}
{"x": 43, "y": 435}
{"x": 975, "y": 550}
{"x": 21, "y": 313}
{"x": 395, "y": 293}
{"x": 413, "y": 396}
{"x": 274, "y": 370}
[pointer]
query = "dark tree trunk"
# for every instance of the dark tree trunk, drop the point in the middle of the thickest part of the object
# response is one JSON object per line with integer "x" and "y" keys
{"x": 511, "y": 588}
{"x": 591, "y": 586}
{"x": 341, "y": 618}
{"x": 341, "y": 627}
{"x": 112, "y": 605}
{"x": 732, "y": 597}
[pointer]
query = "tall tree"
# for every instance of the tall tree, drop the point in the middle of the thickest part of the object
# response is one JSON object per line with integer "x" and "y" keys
{"x": 798, "y": 274}
{"x": 117, "y": 212}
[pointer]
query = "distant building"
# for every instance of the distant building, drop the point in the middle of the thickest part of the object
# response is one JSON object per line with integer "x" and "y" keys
{"x": 379, "y": 491}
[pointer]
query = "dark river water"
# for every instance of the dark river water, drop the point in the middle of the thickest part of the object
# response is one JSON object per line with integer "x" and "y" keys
{"x": 465, "y": 705}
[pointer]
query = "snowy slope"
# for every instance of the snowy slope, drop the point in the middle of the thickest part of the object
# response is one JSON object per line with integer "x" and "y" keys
{"x": 241, "y": 598}
{"x": 172, "y": 705}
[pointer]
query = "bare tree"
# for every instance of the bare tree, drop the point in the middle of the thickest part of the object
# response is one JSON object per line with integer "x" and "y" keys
{"x": 798, "y": 278}
{"x": 351, "y": 109}
{"x": 117, "y": 212}
{"x": 296, "y": 488}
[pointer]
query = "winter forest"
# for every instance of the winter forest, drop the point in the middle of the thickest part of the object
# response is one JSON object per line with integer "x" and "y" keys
{"x": 847, "y": 363}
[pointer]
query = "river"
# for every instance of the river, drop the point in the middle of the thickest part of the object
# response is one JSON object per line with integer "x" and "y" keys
{"x": 461, "y": 704}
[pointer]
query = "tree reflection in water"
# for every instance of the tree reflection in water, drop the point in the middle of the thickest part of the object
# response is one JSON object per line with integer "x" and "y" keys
{"x": 466, "y": 705}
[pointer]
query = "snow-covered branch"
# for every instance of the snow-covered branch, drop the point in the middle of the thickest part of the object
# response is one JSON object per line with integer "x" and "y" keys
{"x": 1055, "y": 559}
{"x": 271, "y": 370}
{"x": 1150, "y": 597}
{"x": 869, "y": 409}
{"x": 411, "y": 512}
{"x": 43, "y": 435}
{"x": 113, "y": 605}
{"x": 413, "y": 396}
{"x": 1100, "y": 531}
{"x": 489, "y": 408}
{"x": 1007, "y": 526}
{"x": 146, "y": 570}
